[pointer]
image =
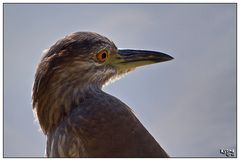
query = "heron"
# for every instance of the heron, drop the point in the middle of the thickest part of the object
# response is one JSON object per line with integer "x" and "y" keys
{"x": 78, "y": 118}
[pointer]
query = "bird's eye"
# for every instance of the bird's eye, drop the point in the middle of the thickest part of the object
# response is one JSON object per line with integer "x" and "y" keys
{"x": 102, "y": 56}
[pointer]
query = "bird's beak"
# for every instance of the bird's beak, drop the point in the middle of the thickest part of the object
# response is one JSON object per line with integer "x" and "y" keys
{"x": 129, "y": 59}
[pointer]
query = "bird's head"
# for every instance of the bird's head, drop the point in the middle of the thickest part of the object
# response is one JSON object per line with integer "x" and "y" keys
{"x": 81, "y": 61}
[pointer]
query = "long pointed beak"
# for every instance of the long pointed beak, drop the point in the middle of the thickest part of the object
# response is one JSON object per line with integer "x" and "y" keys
{"x": 128, "y": 59}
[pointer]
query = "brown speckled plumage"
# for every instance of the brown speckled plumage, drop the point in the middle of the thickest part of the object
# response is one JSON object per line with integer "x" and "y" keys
{"x": 79, "y": 119}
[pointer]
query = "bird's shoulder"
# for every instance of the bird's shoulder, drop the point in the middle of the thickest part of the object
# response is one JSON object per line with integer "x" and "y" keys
{"x": 89, "y": 124}
{"x": 98, "y": 128}
{"x": 104, "y": 108}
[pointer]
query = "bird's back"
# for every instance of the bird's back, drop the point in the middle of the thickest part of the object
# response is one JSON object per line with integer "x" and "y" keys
{"x": 102, "y": 126}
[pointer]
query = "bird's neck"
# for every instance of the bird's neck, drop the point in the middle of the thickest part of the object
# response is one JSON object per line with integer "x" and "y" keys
{"x": 83, "y": 93}
{"x": 58, "y": 103}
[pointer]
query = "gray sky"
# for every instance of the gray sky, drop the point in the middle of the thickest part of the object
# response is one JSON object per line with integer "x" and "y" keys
{"x": 187, "y": 104}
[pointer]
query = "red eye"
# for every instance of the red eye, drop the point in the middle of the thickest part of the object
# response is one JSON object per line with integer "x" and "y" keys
{"x": 102, "y": 56}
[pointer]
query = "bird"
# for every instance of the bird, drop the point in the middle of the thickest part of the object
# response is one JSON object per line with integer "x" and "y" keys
{"x": 77, "y": 117}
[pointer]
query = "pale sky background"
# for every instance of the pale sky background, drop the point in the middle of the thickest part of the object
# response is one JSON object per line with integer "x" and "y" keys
{"x": 188, "y": 104}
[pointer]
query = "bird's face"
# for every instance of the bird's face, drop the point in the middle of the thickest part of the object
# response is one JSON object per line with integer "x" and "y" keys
{"x": 94, "y": 59}
{"x": 111, "y": 63}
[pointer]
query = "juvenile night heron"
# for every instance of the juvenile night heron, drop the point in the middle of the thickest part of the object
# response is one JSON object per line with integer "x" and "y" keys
{"x": 78, "y": 118}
